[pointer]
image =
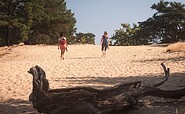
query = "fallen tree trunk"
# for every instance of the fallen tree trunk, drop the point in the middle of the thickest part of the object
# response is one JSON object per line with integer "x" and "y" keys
{"x": 87, "y": 100}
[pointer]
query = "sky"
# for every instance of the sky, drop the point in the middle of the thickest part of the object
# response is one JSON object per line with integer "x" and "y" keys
{"x": 97, "y": 16}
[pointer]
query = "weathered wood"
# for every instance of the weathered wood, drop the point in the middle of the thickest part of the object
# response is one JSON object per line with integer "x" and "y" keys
{"x": 87, "y": 100}
{"x": 166, "y": 75}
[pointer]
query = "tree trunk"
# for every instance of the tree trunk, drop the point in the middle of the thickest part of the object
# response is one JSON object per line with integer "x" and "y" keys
{"x": 87, "y": 100}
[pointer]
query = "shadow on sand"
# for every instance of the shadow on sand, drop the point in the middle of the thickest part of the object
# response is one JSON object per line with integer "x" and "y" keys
{"x": 159, "y": 45}
{"x": 17, "y": 106}
{"x": 151, "y": 105}
{"x": 174, "y": 59}
{"x": 85, "y": 58}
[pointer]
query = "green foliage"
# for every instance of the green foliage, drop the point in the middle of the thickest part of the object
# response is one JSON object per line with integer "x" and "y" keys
{"x": 35, "y": 21}
{"x": 50, "y": 18}
{"x": 42, "y": 21}
{"x": 127, "y": 35}
{"x": 12, "y": 27}
{"x": 167, "y": 24}
{"x": 85, "y": 38}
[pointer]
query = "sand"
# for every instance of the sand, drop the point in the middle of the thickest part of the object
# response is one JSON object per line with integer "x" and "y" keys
{"x": 85, "y": 66}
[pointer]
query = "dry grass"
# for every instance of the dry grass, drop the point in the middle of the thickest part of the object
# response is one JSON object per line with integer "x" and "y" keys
{"x": 179, "y": 46}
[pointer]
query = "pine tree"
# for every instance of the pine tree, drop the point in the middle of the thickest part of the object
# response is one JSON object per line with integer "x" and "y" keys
{"x": 35, "y": 21}
{"x": 167, "y": 24}
{"x": 50, "y": 18}
{"x": 12, "y": 27}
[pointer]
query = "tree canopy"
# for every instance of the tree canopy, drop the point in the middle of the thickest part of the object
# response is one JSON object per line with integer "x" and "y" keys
{"x": 42, "y": 21}
{"x": 85, "y": 38}
{"x": 13, "y": 27}
{"x": 35, "y": 21}
{"x": 127, "y": 35}
{"x": 167, "y": 25}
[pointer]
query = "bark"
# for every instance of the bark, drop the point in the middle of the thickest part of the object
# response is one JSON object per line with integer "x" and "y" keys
{"x": 87, "y": 100}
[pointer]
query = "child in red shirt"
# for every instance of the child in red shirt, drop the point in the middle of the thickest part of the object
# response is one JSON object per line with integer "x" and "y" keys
{"x": 62, "y": 45}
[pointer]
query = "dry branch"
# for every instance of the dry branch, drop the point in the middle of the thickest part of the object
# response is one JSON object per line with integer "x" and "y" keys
{"x": 87, "y": 100}
{"x": 166, "y": 75}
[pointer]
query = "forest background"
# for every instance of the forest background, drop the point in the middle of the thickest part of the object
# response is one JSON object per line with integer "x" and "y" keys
{"x": 42, "y": 21}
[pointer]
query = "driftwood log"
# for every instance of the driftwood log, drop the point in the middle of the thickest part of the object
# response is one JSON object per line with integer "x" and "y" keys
{"x": 87, "y": 100}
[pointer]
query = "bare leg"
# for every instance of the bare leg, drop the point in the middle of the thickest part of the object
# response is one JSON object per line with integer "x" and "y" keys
{"x": 104, "y": 53}
{"x": 104, "y": 49}
{"x": 62, "y": 54}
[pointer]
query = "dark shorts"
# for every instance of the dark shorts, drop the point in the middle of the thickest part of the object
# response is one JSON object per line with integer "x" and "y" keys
{"x": 104, "y": 47}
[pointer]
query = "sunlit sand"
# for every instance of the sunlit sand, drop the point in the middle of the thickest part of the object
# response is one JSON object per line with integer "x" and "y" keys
{"x": 84, "y": 66}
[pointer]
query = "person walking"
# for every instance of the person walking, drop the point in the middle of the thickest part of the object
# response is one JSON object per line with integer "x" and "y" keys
{"x": 104, "y": 43}
{"x": 62, "y": 45}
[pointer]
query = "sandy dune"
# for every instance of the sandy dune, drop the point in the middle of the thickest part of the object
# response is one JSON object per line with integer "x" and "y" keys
{"x": 84, "y": 66}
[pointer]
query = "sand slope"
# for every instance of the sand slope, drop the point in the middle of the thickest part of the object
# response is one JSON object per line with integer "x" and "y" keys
{"x": 84, "y": 66}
